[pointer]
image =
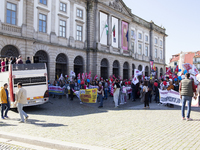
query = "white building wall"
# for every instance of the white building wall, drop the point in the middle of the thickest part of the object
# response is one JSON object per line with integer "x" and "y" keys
{"x": 20, "y": 13}
{"x": 2, "y": 10}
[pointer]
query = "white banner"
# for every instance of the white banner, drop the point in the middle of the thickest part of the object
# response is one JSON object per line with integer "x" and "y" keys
{"x": 173, "y": 97}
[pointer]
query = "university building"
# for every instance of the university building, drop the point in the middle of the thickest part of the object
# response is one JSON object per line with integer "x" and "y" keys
{"x": 101, "y": 36}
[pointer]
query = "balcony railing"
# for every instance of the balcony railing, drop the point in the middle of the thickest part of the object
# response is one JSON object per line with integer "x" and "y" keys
{"x": 10, "y": 28}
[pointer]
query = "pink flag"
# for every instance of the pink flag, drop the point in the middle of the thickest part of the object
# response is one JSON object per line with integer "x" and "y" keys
{"x": 79, "y": 76}
{"x": 89, "y": 75}
{"x": 83, "y": 76}
{"x": 86, "y": 75}
{"x": 95, "y": 77}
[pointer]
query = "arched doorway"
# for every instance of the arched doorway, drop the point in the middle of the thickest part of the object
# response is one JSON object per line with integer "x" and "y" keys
{"x": 43, "y": 57}
{"x": 116, "y": 68}
{"x": 146, "y": 71}
{"x": 161, "y": 72}
{"x": 78, "y": 65}
{"x": 133, "y": 68}
{"x": 61, "y": 65}
{"x": 125, "y": 70}
{"x": 140, "y": 67}
{"x": 104, "y": 68}
{"x": 8, "y": 51}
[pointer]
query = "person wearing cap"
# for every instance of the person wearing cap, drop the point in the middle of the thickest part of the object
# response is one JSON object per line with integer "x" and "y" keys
{"x": 187, "y": 90}
{"x": 116, "y": 93}
{"x": 171, "y": 86}
{"x": 100, "y": 94}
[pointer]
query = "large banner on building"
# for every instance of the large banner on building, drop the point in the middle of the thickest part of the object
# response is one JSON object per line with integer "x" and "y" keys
{"x": 124, "y": 35}
{"x": 103, "y": 28}
{"x": 173, "y": 97}
{"x": 115, "y": 32}
{"x": 88, "y": 95}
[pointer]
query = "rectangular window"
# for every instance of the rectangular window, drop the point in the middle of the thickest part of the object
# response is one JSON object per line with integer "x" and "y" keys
{"x": 62, "y": 7}
{"x": 140, "y": 49}
{"x": 156, "y": 41}
{"x": 146, "y": 38}
{"x": 11, "y": 13}
{"x": 43, "y": 2}
{"x": 62, "y": 28}
{"x": 42, "y": 23}
{"x": 156, "y": 53}
{"x": 161, "y": 54}
{"x": 161, "y": 43}
{"x": 79, "y": 30}
{"x": 146, "y": 50}
{"x": 132, "y": 47}
{"x": 132, "y": 33}
{"x": 140, "y": 36}
{"x": 79, "y": 13}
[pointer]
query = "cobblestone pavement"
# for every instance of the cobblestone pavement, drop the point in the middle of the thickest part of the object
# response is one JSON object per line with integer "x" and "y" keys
{"x": 6, "y": 146}
{"x": 128, "y": 127}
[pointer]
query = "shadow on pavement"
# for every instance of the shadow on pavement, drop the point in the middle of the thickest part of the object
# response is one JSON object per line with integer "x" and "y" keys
{"x": 2, "y": 124}
{"x": 43, "y": 124}
{"x": 66, "y": 107}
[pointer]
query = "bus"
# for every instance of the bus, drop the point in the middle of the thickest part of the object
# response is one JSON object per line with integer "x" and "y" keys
{"x": 33, "y": 78}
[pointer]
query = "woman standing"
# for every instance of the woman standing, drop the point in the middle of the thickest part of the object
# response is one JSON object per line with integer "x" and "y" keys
{"x": 146, "y": 91}
{"x": 3, "y": 66}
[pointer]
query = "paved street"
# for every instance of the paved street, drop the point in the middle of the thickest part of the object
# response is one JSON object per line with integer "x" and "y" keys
{"x": 128, "y": 127}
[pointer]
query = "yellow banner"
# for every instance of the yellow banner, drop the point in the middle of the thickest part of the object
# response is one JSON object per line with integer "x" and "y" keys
{"x": 88, "y": 95}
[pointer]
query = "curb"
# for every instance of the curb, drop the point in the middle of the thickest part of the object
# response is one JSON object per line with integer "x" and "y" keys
{"x": 48, "y": 143}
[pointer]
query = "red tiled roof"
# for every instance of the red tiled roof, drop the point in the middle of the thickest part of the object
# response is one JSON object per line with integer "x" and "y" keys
{"x": 174, "y": 59}
{"x": 189, "y": 58}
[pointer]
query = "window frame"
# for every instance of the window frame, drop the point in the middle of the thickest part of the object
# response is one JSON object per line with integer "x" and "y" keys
{"x": 43, "y": 3}
{"x": 16, "y": 5}
{"x": 62, "y": 7}
{"x": 79, "y": 13}
{"x": 156, "y": 53}
{"x": 79, "y": 32}
{"x": 140, "y": 49}
{"x": 146, "y": 51}
{"x": 161, "y": 54}
{"x": 132, "y": 31}
{"x": 132, "y": 46}
{"x": 146, "y": 38}
{"x": 156, "y": 41}
{"x": 62, "y": 28}
{"x": 139, "y": 36}
{"x": 161, "y": 43}
{"x": 42, "y": 23}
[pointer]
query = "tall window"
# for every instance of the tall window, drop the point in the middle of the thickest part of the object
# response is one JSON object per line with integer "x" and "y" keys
{"x": 156, "y": 55}
{"x": 132, "y": 46}
{"x": 79, "y": 13}
{"x": 160, "y": 43}
{"x": 62, "y": 28}
{"x": 140, "y": 35}
{"x": 132, "y": 33}
{"x": 43, "y": 2}
{"x": 140, "y": 48}
{"x": 146, "y": 50}
{"x": 156, "y": 41}
{"x": 42, "y": 23}
{"x": 161, "y": 55}
{"x": 62, "y": 7}
{"x": 11, "y": 13}
{"x": 146, "y": 38}
{"x": 79, "y": 30}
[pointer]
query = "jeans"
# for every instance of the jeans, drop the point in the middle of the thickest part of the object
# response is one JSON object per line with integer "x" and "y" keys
{"x": 101, "y": 100}
{"x": 106, "y": 93}
{"x": 21, "y": 112}
{"x": 189, "y": 100}
{"x": 6, "y": 110}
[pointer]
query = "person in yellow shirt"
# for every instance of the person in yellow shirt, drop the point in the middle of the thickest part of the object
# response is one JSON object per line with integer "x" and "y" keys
{"x": 4, "y": 101}
{"x": 171, "y": 86}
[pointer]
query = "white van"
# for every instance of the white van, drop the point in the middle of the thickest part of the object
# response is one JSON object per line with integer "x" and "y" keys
{"x": 33, "y": 78}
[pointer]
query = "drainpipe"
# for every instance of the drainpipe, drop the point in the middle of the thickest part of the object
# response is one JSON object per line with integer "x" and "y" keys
{"x": 88, "y": 39}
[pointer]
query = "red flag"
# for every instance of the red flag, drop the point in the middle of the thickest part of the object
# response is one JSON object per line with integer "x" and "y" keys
{"x": 79, "y": 76}
{"x": 89, "y": 75}
{"x": 86, "y": 75}
{"x": 95, "y": 77}
{"x": 83, "y": 76}
{"x": 176, "y": 69}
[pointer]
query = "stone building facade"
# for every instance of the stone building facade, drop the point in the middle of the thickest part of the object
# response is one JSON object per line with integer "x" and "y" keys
{"x": 67, "y": 35}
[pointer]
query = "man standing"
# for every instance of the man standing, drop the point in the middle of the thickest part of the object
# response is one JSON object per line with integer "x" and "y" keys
{"x": 28, "y": 60}
{"x": 100, "y": 94}
{"x": 4, "y": 101}
{"x": 71, "y": 91}
{"x": 116, "y": 92}
{"x": 19, "y": 60}
{"x": 20, "y": 100}
{"x": 187, "y": 88}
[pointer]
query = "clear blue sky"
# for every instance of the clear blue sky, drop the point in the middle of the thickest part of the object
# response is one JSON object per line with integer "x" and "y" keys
{"x": 181, "y": 18}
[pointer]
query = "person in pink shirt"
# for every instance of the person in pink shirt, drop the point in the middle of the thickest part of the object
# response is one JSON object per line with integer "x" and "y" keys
{"x": 3, "y": 66}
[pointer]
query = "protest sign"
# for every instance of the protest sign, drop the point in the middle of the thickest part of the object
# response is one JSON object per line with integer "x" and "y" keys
{"x": 88, "y": 95}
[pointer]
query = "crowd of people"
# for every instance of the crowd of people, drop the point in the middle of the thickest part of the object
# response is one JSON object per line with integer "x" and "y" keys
{"x": 4, "y": 62}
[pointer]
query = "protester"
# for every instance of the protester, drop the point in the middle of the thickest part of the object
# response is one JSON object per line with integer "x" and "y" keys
{"x": 71, "y": 91}
{"x": 133, "y": 86}
{"x": 20, "y": 101}
{"x": 150, "y": 86}
{"x": 100, "y": 94}
{"x": 146, "y": 90}
{"x": 4, "y": 101}
{"x": 171, "y": 86}
{"x": 156, "y": 92}
{"x": 176, "y": 86}
{"x": 106, "y": 89}
{"x": 19, "y": 60}
{"x": 187, "y": 88}
{"x": 7, "y": 63}
{"x": 116, "y": 93}
{"x": 28, "y": 60}
{"x": 123, "y": 93}
{"x": 3, "y": 65}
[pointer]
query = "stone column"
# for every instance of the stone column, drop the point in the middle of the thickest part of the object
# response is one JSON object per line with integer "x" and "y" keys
{"x": 72, "y": 25}
{"x": 53, "y": 36}
{"x": 109, "y": 30}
